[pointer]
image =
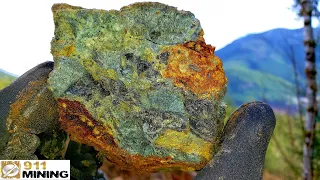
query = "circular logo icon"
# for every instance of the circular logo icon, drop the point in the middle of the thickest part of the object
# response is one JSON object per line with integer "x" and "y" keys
{"x": 10, "y": 170}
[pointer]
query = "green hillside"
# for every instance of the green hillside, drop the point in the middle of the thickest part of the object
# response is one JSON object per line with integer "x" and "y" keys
{"x": 259, "y": 66}
{"x": 5, "y": 79}
{"x": 248, "y": 85}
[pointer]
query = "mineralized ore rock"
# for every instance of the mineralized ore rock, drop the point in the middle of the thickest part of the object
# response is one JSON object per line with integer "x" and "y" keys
{"x": 140, "y": 85}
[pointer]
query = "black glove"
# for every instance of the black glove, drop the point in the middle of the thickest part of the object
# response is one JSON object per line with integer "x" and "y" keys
{"x": 245, "y": 141}
{"x": 241, "y": 154}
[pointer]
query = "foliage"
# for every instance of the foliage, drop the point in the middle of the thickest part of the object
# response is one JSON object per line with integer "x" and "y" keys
{"x": 316, "y": 151}
{"x": 284, "y": 154}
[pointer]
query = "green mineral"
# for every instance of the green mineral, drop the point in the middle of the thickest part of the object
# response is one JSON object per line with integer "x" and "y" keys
{"x": 140, "y": 85}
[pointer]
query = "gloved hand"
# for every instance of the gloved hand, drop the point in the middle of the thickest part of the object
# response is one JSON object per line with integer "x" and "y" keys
{"x": 241, "y": 154}
{"x": 245, "y": 141}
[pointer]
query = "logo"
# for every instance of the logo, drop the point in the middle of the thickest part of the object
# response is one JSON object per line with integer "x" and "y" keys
{"x": 10, "y": 169}
{"x": 35, "y": 169}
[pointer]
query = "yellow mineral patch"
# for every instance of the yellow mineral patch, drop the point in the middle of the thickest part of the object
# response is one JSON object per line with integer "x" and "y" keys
{"x": 96, "y": 131}
{"x": 90, "y": 124}
{"x": 131, "y": 39}
{"x": 64, "y": 105}
{"x": 194, "y": 66}
{"x": 125, "y": 106}
{"x": 148, "y": 55}
{"x": 83, "y": 118}
{"x": 185, "y": 142}
{"x": 97, "y": 71}
{"x": 66, "y": 49}
{"x": 200, "y": 37}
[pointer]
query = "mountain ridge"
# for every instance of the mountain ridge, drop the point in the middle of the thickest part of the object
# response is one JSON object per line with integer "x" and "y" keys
{"x": 259, "y": 66}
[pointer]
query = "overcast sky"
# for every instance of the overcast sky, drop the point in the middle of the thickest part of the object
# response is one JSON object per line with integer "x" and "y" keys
{"x": 26, "y": 27}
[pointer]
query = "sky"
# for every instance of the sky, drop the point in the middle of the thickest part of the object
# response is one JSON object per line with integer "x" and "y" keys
{"x": 26, "y": 27}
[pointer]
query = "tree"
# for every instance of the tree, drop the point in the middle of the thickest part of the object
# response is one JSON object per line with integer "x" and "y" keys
{"x": 307, "y": 9}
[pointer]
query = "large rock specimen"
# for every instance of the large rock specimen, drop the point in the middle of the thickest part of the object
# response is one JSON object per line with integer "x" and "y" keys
{"x": 140, "y": 85}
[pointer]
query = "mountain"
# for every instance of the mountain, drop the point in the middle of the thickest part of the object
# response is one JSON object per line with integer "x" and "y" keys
{"x": 259, "y": 66}
{"x": 5, "y": 78}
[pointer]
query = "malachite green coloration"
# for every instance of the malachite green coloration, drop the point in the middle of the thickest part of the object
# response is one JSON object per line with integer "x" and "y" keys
{"x": 139, "y": 85}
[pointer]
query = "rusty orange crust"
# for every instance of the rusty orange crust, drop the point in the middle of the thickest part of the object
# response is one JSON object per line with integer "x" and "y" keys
{"x": 83, "y": 128}
{"x": 194, "y": 66}
{"x": 66, "y": 51}
{"x": 24, "y": 95}
{"x": 16, "y": 120}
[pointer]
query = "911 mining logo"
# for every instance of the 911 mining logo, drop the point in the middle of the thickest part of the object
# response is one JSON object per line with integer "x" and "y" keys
{"x": 35, "y": 169}
{"x": 10, "y": 169}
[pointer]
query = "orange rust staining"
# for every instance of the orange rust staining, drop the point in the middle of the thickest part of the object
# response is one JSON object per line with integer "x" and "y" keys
{"x": 70, "y": 50}
{"x": 74, "y": 116}
{"x": 100, "y": 138}
{"x": 194, "y": 66}
{"x": 16, "y": 109}
{"x": 22, "y": 99}
{"x": 201, "y": 47}
{"x": 67, "y": 51}
{"x": 200, "y": 37}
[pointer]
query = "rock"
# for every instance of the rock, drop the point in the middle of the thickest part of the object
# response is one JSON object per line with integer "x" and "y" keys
{"x": 140, "y": 85}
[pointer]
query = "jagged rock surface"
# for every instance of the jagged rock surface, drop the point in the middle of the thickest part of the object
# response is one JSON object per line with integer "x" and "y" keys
{"x": 140, "y": 85}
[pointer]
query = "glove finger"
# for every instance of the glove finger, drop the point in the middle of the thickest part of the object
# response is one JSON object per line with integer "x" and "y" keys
{"x": 244, "y": 144}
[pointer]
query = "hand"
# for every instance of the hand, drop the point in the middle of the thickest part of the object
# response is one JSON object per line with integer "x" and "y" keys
{"x": 240, "y": 156}
{"x": 244, "y": 144}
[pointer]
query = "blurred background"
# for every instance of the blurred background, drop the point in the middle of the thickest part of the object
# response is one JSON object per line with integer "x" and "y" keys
{"x": 260, "y": 42}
